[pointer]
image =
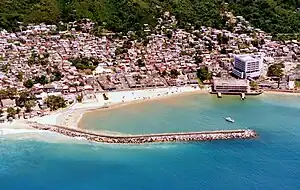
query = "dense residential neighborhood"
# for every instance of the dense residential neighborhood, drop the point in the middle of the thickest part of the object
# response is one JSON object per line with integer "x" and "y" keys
{"x": 43, "y": 69}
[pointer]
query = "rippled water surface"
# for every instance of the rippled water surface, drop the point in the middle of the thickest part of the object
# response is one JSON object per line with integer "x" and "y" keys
{"x": 270, "y": 162}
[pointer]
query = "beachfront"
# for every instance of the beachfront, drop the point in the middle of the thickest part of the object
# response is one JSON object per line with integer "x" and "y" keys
{"x": 71, "y": 116}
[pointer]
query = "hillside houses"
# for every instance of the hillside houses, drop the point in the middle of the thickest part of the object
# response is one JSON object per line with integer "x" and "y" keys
{"x": 42, "y": 57}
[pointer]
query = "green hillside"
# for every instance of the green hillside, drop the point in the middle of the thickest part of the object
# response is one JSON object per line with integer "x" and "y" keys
{"x": 275, "y": 16}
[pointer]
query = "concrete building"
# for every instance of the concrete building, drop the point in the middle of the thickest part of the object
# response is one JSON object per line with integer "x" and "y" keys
{"x": 231, "y": 86}
{"x": 246, "y": 66}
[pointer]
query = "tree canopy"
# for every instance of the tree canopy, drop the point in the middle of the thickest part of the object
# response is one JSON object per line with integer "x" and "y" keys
{"x": 84, "y": 63}
{"x": 275, "y": 16}
{"x": 204, "y": 74}
{"x": 275, "y": 70}
{"x": 11, "y": 112}
{"x": 29, "y": 104}
{"x": 115, "y": 15}
{"x": 55, "y": 102}
{"x": 174, "y": 73}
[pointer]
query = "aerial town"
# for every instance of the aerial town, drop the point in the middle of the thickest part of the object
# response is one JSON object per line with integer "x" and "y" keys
{"x": 43, "y": 68}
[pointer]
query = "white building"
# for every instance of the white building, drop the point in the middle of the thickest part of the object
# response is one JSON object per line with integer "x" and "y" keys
{"x": 248, "y": 66}
{"x": 231, "y": 86}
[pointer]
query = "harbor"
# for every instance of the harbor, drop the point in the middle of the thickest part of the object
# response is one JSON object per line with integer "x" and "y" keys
{"x": 150, "y": 138}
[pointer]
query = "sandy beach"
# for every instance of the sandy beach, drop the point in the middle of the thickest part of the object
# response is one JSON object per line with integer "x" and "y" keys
{"x": 282, "y": 93}
{"x": 117, "y": 99}
{"x": 71, "y": 116}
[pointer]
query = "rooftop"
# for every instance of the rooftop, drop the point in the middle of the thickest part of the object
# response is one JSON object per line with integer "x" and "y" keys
{"x": 230, "y": 82}
{"x": 246, "y": 58}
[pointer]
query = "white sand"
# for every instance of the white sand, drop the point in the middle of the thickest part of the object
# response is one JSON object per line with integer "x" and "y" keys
{"x": 70, "y": 117}
{"x": 282, "y": 93}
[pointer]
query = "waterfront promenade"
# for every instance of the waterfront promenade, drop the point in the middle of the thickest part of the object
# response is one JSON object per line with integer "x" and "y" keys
{"x": 149, "y": 138}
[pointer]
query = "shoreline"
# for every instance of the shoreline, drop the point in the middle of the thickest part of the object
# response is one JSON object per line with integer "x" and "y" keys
{"x": 119, "y": 105}
{"x": 274, "y": 92}
{"x": 72, "y": 116}
{"x": 73, "y": 120}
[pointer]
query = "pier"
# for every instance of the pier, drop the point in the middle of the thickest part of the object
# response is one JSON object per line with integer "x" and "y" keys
{"x": 150, "y": 138}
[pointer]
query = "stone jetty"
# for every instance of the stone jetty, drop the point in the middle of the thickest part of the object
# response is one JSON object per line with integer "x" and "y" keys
{"x": 150, "y": 138}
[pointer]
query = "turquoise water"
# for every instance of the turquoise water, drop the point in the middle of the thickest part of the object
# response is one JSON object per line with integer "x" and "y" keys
{"x": 270, "y": 162}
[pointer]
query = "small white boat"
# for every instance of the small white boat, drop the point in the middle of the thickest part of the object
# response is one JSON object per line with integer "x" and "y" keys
{"x": 229, "y": 119}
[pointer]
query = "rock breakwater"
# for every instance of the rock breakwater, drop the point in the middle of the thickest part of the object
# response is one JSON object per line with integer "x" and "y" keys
{"x": 151, "y": 138}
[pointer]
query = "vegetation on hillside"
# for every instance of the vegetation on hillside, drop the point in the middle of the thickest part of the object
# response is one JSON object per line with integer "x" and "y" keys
{"x": 274, "y": 16}
{"x": 116, "y": 15}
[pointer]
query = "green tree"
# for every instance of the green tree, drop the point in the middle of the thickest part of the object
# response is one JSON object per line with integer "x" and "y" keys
{"x": 274, "y": 16}
{"x": 55, "y": 102}
{"x": 29, "y": 104}
{"x": 174, "y": 73}
{"x": 57, "y": 75}
{"x": 79, "y": 98}
{"x": 11, "y": 92}
{"x": 18, "y": 110}
{"x": 204, "y": 74}
{"x": 24, "y": 96}
{"x": 254, "y": 85}
{"x": 84, "y": 63}
{"x": 28, "y": 83}
{"x": 11, "y": 112}
{"x": 42, "y": 80}
{"x": 276, "y": 70}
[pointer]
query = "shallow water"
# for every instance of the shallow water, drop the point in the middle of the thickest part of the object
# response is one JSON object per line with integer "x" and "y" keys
{"x": 270, "y": 162}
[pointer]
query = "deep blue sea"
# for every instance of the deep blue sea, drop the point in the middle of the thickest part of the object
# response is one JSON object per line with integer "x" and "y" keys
{"x": 270, "y": 162}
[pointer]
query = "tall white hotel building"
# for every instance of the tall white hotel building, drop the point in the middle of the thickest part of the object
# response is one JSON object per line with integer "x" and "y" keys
{"x": 246, "y": 66}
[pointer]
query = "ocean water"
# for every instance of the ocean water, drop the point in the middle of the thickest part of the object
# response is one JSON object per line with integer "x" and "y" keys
{"x": 270, "y": 162}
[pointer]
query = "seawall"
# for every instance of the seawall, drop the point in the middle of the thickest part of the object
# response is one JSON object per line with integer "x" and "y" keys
{"x": 150, "y": 138}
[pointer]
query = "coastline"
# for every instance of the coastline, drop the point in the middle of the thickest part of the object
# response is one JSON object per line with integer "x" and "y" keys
{"x": 274, "y": 92}
{"x": 142, "y": 96}
{"x": 72, "y": 116}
